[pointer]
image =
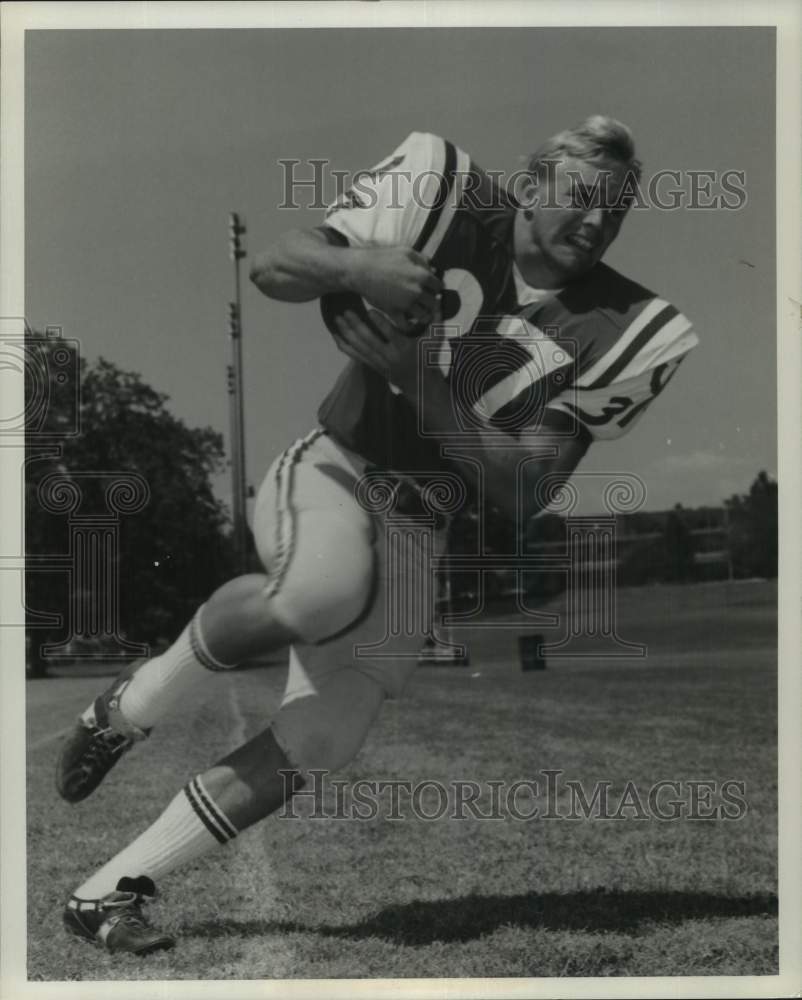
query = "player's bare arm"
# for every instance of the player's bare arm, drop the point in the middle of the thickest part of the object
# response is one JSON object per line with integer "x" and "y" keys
{"x": 394, "y": 355}
{"x": 304, "y": 265}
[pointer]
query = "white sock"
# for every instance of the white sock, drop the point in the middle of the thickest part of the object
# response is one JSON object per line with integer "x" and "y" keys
{"x": 189, "y": 827}
{"x": 161, "y": 682}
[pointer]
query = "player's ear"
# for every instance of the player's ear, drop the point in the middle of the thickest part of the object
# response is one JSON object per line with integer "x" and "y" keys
{"x": 526, "y": 192}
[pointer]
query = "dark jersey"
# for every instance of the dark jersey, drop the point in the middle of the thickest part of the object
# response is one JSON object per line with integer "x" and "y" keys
{"x": 593, "y": 355}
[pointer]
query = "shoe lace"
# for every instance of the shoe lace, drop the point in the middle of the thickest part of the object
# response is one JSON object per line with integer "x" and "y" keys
{"x": 129, "y": 913}
{"x": 104, "y": 745}
{"x": 133, "y": 916}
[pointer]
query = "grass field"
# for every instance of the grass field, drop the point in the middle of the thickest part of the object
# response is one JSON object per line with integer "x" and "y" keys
{"x": 320, "y": 898}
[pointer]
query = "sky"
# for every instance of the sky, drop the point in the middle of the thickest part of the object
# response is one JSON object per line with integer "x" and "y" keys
{"x": 139, "y": 144}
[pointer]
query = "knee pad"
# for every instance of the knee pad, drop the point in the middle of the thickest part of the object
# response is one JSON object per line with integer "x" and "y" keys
{"x": 324, "y": 579}
{"x": 324, "y": 728}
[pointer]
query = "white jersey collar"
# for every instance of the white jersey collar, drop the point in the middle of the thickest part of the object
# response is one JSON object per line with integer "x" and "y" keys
{"x": 528, "y": 295}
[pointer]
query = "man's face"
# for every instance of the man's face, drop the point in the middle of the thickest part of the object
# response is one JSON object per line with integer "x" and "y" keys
{"x": 576, "y": 216}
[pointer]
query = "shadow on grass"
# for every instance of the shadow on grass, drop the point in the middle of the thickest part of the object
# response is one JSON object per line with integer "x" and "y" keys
{"x": 82, "y": 670}
{"x": 470, "y": 917}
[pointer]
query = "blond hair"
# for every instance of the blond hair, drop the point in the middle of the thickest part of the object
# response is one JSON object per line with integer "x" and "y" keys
{"x": 597, "y": 138}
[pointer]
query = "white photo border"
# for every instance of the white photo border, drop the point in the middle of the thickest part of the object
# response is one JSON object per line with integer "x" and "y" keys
{"x": 22, "y": 17}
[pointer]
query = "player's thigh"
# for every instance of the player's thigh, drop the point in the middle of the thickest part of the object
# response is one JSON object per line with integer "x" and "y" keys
{"x": 384, "y": 642}
{"x": 314, "y": 539}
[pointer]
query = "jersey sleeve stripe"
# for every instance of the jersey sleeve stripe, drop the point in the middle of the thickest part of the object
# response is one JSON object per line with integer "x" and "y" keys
{"x": 645, "y": 316}
{"x": 390, "y": 206}
{"x": 450, "y": 208}
{"x": 634, "y": 346}
{"x": 675, "y": 339}
{"x": 442, "y": 200}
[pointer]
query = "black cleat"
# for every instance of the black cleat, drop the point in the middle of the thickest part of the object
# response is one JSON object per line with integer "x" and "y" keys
{"x": 116, "y": 921}
{"x": 93, "y": 748}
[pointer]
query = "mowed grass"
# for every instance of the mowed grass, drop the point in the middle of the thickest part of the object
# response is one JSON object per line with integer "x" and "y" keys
{"x": 328, "y": 897}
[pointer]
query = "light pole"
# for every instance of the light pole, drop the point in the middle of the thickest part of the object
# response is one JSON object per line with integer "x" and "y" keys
{"x": 236, "y": 410}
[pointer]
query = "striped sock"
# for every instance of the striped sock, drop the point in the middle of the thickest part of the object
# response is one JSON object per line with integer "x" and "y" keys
{"x": 188, "y": 828}
{"x": 161, "y": 682}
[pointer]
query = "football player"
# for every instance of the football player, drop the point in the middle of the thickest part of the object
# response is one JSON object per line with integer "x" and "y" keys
{"x": 534, "y": 350}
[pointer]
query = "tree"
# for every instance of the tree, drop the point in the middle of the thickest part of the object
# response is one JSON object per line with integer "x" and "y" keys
{"x": 176, "y": 549}
{"x": 678, "y": 546}
{"x": 754, "y": 529}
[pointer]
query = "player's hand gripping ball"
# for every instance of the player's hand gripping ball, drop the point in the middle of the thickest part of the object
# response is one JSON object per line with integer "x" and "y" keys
{"x": 398, "y": 282}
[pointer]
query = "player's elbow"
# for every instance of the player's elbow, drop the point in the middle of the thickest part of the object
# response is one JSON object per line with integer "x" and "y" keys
{"x": 286, "y": 270}
{"x": 265, "y": 274}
